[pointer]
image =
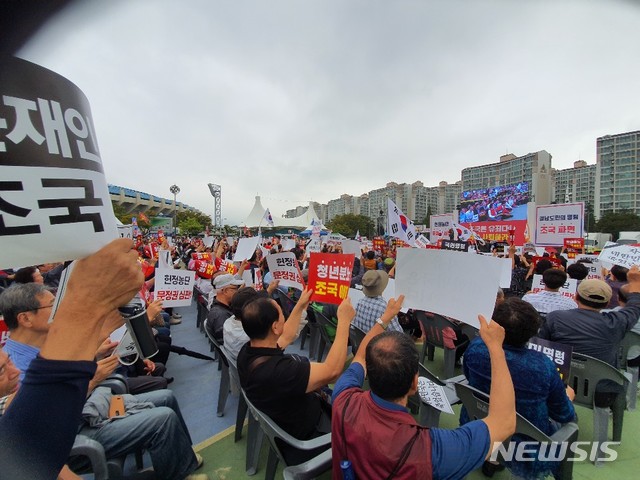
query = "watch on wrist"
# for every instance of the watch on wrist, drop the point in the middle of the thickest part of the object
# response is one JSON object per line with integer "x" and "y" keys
{"x": 381, "y": 323}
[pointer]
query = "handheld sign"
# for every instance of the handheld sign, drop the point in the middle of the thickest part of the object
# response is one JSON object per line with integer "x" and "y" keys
{"x": 330, "y": 276}
{"x": 433, "y": 394}
{"x": 53, "y": 190}
{"x": 174, "y": 287}
{"x": 558, "y": 353}
{"x": 284, "y": 267}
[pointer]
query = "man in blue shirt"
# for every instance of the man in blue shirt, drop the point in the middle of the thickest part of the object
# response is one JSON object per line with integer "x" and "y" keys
{"x": 376, "y": 433}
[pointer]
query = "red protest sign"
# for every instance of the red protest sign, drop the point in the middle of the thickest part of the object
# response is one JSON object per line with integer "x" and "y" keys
{"x": 379, "y": 244}
{"x": 330, "y": 276}
{"x": 4, "y": 332}
{"x": 573, "y": 246}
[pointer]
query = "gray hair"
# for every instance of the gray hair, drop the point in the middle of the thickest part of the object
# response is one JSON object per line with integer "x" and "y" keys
{"x": 18, "y": 298}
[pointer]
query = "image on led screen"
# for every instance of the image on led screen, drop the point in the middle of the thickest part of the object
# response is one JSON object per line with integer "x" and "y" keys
{"x": 495, "y": 204}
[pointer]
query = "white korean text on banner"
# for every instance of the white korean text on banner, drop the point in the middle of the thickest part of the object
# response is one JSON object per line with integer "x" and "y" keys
{"x": 174, "y": 287}
{"x": 440, "y": 226}
{"x": 567, "y": 290}
{"x": 399, "y": 224}
{"x": 284, "y": 267}
{"x": 622, "y": 255}
{"x": 53, "y": 190}
{"x": 554, "y": 223}
{"x": 558, "y": 353}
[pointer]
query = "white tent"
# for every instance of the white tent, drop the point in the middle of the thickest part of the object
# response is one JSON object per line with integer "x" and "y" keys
{"x": 256, "y": 217}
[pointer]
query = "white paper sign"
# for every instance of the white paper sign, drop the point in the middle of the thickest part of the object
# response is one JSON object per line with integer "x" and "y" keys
{"x": 505, "y": 273}
{"x": 53, "y": 188}
{"x": 567, "y": 290}
{"x": 352, "y": 246}
{"x": 445, "y": 282}
{"x": 207, "y": 241}
{"x": 246, "y": 248}
{"x": 595, "y": 267}
{"x": 174, "y": 287}
{"x": 439, "y": 227}
{"x": 288, "y": 244}
{"x": 125, "y": 231}
{"x": 422, "y": 241}
{"x": 623, "y": 255}
{"x": 554, "y": 223}
{"x": 247, "y": 278}
{"x": 314, "y": 245}
{"x": 434, "y": 395}
{"x": 284, "y": 267}
{"x": 164, "y": 259}
{"x": 126, "y": 346}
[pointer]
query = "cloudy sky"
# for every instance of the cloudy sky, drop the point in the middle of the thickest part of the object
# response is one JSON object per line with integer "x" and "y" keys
{"x": 307, "y": 100}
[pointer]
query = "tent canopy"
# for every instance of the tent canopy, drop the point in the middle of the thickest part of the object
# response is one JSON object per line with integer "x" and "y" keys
{"x": 256, "y": 217}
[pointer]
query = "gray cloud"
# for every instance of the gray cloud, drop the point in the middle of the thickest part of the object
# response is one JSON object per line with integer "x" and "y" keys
{"x": 309, "y": 100}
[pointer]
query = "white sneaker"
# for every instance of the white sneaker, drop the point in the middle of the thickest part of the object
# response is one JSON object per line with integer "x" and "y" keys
{"x": 175, "y": 321}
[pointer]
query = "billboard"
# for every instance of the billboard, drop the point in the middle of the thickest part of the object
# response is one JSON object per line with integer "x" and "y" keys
{"x": 496, "y": 213}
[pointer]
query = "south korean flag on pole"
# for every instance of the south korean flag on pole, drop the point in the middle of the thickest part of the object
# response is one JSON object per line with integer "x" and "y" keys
{"x": 399, "y": 225}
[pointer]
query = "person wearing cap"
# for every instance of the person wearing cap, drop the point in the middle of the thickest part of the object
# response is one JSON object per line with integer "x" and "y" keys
{"x": 226, "y": 286}
{"x": 590, "y": 331}
{"x": 370, "y": 309}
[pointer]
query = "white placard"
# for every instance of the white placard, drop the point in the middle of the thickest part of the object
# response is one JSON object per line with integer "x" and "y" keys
{"x": 595, "y": 267}
{"x": 622, "y": 255}
{"x": 314, "y": 245}
{"x": 54, "y": 192}
{"x": 246, "y": 248}
{"x": 288, "y": 244}
{"x": 554, "y": 223}
{"x": 567, "y": 290}
{"x": 164, "y": 259}
{"x": 505, "y": 273}
{"x": 174, "y": 287}
{"x": 422, "y": 241}
{"x": 127, "y": 346}
{"x": 440, "y": 226}
{"x": 284, "y": 267}
{"x": 125, "y": 231}
{"x": 352, "y": 246}
{"x": 207, "y": 241}
{"x": 247, "y": 278}
{"x": 445, "y": 282}
{"x": 434, "y": 395}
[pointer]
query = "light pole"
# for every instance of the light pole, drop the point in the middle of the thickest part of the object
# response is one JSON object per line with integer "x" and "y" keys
{"x": 175, "y": 189}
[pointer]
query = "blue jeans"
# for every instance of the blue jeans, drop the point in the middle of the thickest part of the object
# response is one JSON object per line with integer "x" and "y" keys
{"x": 161, "y": 431}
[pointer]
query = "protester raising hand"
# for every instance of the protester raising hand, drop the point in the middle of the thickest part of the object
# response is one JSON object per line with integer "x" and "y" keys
{"x": 491, "y": 333}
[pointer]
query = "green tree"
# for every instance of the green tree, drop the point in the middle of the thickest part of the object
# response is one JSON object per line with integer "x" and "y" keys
{"x": 427, "y": 220}
{"x": 616, "y": 222}
{"x": 201, "y": 218}
{"x": 349, "y": 224}
{"x": 190, "y": 226}
{"x": 121, "y": 214}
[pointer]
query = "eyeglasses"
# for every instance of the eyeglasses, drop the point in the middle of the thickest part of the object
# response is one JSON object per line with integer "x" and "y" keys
{"x": 46, "y": 306}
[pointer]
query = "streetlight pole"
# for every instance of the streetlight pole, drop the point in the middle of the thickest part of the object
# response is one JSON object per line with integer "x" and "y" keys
{"x": 175, "y": 190}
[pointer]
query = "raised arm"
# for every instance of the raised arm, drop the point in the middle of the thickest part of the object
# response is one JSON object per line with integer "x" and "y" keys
{"x": 292, "y": 324}
{"x": 501, "y": 419}
{"x": 99, "y": 284}
{"x": 393, "y": 307}
{"x": 329, "y": 370}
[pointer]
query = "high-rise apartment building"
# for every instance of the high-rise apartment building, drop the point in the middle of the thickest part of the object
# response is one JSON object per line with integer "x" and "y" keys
{"x": 577, "y": 184}
{"x": 534, "y": 168}
{"x": 618, "y": 173}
